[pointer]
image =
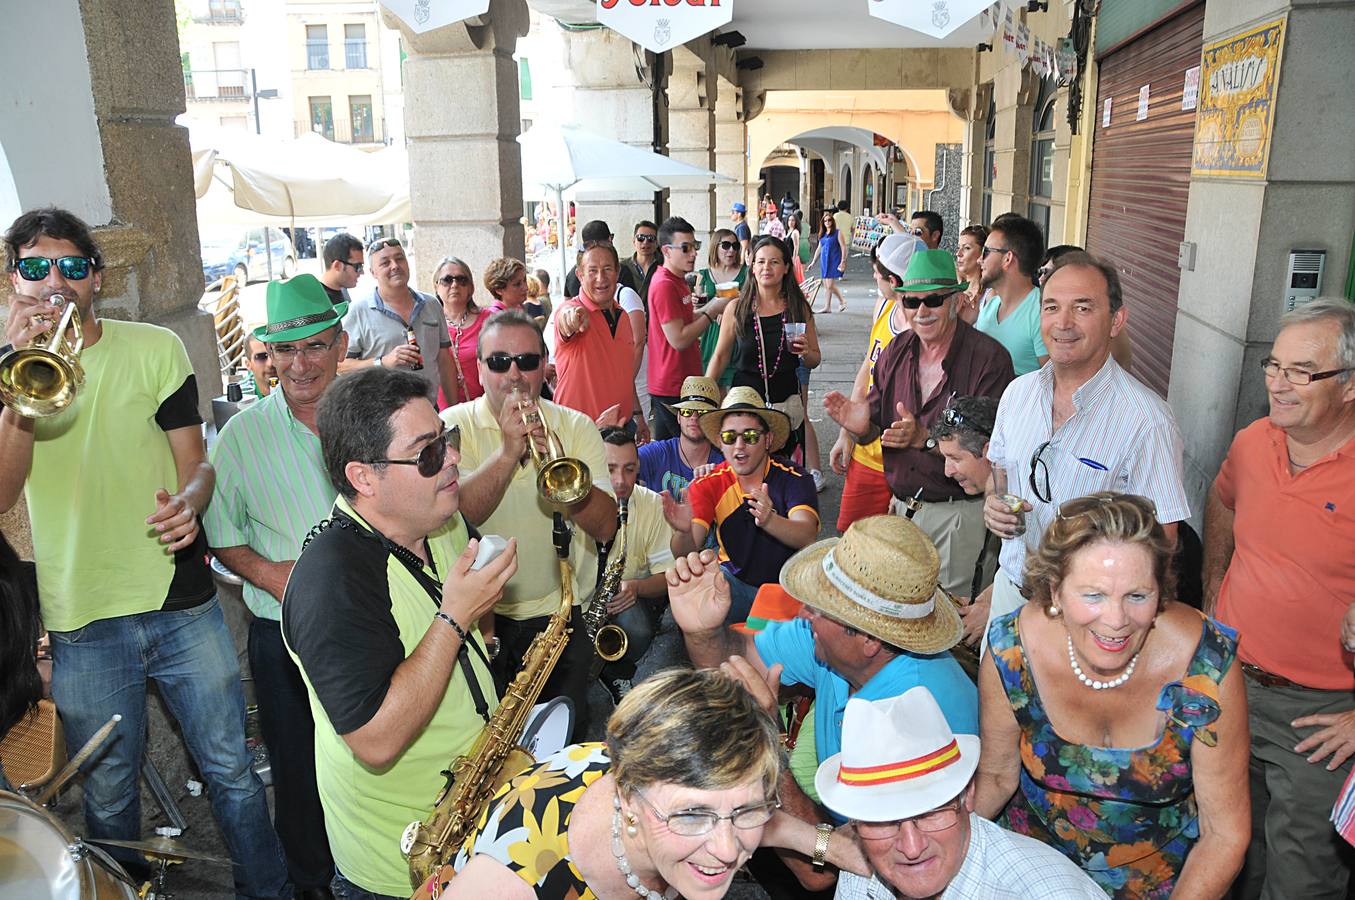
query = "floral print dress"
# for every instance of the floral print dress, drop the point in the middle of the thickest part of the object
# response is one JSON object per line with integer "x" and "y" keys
{"x": 526, "y": 825}
{"x": 1126, "y": 816}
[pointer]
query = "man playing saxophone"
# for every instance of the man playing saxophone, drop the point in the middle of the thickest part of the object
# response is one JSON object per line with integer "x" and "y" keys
{"x": 380, "y": 615}
{"x": 641, "y": 591}
{"x": 499, "y": 495}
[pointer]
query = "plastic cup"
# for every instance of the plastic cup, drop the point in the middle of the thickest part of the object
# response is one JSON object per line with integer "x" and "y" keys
{"x": 727, "y": 289}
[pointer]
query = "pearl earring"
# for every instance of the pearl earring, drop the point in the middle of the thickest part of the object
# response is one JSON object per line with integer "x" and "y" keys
{"x": 630, "y": 825}
{"x": 1053, "y": 610}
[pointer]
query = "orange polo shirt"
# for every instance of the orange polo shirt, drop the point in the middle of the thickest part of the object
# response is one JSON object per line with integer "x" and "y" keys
{"x": 1292, "y": 576}
{"x": 595, "y": 369}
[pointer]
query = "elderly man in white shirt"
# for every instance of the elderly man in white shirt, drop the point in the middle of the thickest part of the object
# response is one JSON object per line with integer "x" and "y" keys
{"x": 1078, "y": 425}
{"x": 906, "y": 782}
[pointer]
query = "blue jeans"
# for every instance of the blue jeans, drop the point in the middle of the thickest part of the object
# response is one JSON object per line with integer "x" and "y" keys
{"x": 346, "y": 890}
{"x": 741, "y": 597}
{"x": 102, "y": 669}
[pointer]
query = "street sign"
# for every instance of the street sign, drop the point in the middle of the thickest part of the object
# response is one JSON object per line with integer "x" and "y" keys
{"x": 937, "y": 18}
{"x": 425, "y": 15}
{"x": 660, "y": 25}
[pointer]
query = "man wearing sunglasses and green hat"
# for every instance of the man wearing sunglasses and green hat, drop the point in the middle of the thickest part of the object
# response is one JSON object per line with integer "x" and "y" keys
{"x": 126, "y": 595}
{"x": 271, "y": 489}
{"x": 939, "y": 357}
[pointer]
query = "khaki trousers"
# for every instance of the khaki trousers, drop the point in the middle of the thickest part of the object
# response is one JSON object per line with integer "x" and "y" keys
{"x": 957, "y": 530}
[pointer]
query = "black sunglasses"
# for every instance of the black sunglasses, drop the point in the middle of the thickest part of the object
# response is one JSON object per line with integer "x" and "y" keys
{"x": 983, "y": 254}
{"x": 449, "y": 280}
{"x": 261, "y": 356}
{"x": 953, "y": 418}
{"x": 383, "y": 243}
{"x": 729, "y": 245}
{"x": 355, "y": 266}
{"x": 931, "y": 301}
{"x": 646, "y": 238}
{"x": 1040, "y": 469}
{"x": 433, "y": 455}
{"x": 499, "y": 363}
{"x": 37, "y": 268}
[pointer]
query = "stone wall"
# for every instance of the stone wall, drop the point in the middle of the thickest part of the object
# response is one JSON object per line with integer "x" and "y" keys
{"x": 945, "y": 198}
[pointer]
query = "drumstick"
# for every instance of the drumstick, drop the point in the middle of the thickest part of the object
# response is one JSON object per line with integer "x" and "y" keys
{"x": 65, "y": 774}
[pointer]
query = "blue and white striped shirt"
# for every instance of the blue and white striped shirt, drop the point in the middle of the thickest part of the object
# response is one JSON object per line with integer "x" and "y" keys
{"x": 1121, "y": 437}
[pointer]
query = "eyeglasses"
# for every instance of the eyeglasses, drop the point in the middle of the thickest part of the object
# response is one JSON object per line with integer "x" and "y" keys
{"x": 261, "y": 356}
{"x": 383, "y": 243}
{"x": 931, "y": 301}
{"x": 953, "y": 418}
{"x": 1081, "y": 506}
{"x": 498, "y": 363}
{"x": 692, "y": 822}
{"x": 685, "y": 246}
{"x": 286, "y": 353}
{"x": 37, "y": 268}
{"x": 983, "y": 254}
{"x": 938, "y": 819}
{"x": 1044, "y": 272}
{"x": 449, "y": 280}
{"x": 750, "y": 436}
{"x": 729, "y": 245}
{"x": 1293, "y": 376}
{"x": 1038, "y": 467}
{"x": 433, "y": 455}
{"x": 646, "y": 238}
{"x": 355, "y": 266}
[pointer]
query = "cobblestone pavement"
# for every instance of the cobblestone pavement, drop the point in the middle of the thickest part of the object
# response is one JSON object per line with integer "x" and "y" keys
{"x": 842, "y": 338}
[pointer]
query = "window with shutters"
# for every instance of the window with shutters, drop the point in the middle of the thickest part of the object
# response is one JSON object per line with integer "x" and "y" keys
{"x": 989, "y": 163}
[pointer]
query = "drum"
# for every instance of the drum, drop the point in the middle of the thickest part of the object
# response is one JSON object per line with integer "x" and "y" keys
{"x": 41, "y": 859}
{"x": 549, "y": 726}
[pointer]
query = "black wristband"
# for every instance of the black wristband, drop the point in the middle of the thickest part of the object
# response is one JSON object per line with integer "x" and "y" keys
{"x": 461, "y": 632}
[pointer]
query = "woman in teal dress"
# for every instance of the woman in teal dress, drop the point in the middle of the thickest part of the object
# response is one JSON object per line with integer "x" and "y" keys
{"x": 1114, "y": 722}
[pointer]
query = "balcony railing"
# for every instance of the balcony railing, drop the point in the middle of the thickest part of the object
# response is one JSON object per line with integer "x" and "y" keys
{"x": 216, "y": 84}
{"x": 317, "y": 54}
{"x": 221, "y": 17}
{"x": 354, "y": 53}
{"x": 341, "y": 131}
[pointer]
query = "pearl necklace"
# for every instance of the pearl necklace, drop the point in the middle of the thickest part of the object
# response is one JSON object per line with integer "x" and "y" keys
{"x": 623, "y": 864}
{"x": 1100, "y": 685}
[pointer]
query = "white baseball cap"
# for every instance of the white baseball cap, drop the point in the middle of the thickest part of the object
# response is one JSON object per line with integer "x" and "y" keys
{"x": 895, "y": 250}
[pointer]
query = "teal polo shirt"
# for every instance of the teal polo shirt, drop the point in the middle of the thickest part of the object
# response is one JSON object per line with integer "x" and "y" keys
{"x": 271, "y": 489}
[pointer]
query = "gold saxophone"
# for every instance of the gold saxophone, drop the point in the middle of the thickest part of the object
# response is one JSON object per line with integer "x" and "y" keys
{"x": 495, "y": 757}
{"x": 610, "y": 642}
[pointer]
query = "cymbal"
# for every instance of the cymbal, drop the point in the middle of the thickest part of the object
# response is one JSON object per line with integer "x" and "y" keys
{"x": 163, "y": 847}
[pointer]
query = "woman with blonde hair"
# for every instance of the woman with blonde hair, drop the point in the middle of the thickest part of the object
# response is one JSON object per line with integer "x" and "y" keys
{"x": 455, "y": 288}
{"x": 672, "y": 804}
{"x": 1114, "y": 721}
{"x": 724, "y": 265}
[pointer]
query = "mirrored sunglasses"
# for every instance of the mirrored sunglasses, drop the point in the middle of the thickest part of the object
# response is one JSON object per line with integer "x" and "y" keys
{"x": 750, "y": 436}
{"x": 37, "y": 268}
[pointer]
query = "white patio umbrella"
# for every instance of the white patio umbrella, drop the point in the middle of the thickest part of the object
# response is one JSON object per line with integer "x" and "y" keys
{"x": 563, "y": 158}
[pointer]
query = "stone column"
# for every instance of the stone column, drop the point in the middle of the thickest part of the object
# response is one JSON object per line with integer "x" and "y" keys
{"x": 691, "y": 130}
{"x": 731, "y": 142}
{"x": 1015, "y": 90}
{"x": 614, "y": 97}
{"x": 1242, "y": 230}
{"x": 462, "y": 118}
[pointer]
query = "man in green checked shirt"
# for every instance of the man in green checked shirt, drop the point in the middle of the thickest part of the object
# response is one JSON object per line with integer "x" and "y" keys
{"x": 271, "y": 489}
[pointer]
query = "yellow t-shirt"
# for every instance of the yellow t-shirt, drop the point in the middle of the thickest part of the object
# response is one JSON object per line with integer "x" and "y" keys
{"x": 535, "y": 589}
{"x": 881, "y": 333}
{"x": 96, "y": 467}
{"x": 648, "y": 537}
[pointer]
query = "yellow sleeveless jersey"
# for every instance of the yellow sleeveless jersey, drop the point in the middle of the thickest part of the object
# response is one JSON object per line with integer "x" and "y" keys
{"x": 881, "y": 333}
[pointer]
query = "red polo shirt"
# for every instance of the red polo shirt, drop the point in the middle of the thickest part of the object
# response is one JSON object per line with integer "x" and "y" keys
{"x": 669, "y": 299}
{"x": 1292, "y": 575}
{"x": 595, "y": 369}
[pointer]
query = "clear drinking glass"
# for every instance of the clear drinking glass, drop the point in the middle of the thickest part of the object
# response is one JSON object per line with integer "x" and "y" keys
{"x": 1013, "y": 501}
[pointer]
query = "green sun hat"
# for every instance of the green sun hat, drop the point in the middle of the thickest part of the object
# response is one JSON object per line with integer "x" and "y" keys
{"x": 931, "y": 270}
{"x": 298, "y": 308}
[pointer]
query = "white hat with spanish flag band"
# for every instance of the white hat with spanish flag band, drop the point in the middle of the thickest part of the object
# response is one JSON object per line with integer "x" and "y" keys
{"x": 899, "y": 759}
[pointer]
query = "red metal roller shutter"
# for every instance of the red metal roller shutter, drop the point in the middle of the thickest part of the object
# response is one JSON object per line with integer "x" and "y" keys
{"x": 1141, "y": 179}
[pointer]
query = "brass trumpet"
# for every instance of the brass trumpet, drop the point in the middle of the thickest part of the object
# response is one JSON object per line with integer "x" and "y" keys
{"x": 41, "y": 379}
{"x": 560, "y": 479}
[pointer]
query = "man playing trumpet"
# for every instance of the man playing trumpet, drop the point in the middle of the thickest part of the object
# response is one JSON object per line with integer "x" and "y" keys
{"x": 499, "y": 496}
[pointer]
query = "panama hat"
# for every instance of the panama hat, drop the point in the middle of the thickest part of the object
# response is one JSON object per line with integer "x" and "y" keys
{"x": 699, "y": 393}
{"x": 931, "y": 270}
{"x": 880, "y": 577}
{"x": 298, "y": 308}
{"x": 899, "y": 759}
{"x": 747, "y": 400}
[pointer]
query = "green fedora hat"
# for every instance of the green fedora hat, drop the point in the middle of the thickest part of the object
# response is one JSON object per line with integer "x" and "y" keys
{"x": 298, "y": 308}
{"x": 931, "y": 270}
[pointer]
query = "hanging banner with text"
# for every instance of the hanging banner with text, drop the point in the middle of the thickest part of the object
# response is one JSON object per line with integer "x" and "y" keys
{"x": 425, "y": 15}
{"x": 660, "y": 25}
{"x": 1238, "y": 77}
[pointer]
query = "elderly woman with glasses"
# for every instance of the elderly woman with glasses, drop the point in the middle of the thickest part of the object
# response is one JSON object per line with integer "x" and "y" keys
{"x": 1114, "y": 722}
{"x": 672, "y": 804}
{"x": 456, "y": 290}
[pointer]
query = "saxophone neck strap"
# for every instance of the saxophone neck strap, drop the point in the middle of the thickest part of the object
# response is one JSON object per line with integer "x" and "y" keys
{"x": 429, "y": 583}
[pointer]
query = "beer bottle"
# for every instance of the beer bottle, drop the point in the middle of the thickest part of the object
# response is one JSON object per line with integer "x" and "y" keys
{"x": 414, "y": 342}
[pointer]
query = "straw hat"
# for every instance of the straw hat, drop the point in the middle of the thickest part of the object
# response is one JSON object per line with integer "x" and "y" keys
{"x": 899, "y": 759}
{"x": 699, "y": 393}
{"x": 880, "y": 577}
{"x": 744, "y": 399}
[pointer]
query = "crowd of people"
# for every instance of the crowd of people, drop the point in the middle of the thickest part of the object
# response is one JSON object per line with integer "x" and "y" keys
{"x": 1010, "y": 668}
